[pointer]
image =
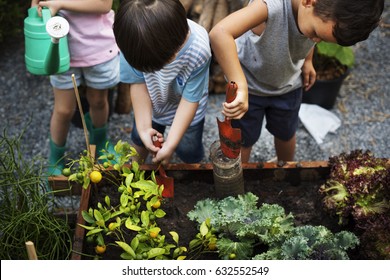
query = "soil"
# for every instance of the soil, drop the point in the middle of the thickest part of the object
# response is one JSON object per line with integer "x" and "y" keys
{"x": 299, "y": 198}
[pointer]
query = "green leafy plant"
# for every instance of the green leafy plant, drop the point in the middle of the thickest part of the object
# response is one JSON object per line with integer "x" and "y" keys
{"x": 26, "y": 207}
{"x": 132, "y": 223}
{"x": 358, "y": 186}
{"x": 311, "y": 243}
{"x": 358, "y": 190}
{"x": 241, "y": 228}
{"x": 332, "y": 60}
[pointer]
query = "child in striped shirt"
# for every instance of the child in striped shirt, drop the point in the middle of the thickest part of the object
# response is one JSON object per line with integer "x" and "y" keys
{"x": 165, "y": 58}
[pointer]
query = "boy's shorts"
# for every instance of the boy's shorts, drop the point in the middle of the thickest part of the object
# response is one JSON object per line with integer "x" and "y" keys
{"x": 281, "y": 113}
{"x": 190, "y": 148}
{"x": 101, "y": 76}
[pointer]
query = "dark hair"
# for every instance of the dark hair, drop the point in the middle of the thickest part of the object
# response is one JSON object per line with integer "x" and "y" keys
{"x": 354, "y": 19}
{"x": 150, "y": 32}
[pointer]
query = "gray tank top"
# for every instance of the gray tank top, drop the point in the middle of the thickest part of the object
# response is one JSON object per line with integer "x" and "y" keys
{"x": 272, "y": 61}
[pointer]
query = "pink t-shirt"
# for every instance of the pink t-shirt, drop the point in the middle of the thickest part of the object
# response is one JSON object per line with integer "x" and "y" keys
{"x": 91, "y": 38}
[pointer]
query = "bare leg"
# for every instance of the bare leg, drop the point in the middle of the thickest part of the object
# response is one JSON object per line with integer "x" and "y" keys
{"x": 64, "y": 109}
{"x": 98, "y": 106}
{"x": 285, "y": 150}
{"x": 245, "y": 153}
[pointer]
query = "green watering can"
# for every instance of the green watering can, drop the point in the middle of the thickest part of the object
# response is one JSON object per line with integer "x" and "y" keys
{"x": 46, "y": 44}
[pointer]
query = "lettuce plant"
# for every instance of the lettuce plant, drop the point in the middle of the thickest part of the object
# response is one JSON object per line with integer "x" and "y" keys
{"x": 358, "y": 190}
{"x": 358, "y": 186}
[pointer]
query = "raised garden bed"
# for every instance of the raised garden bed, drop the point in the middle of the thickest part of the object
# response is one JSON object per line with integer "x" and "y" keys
{"x": 293, "y": 186}
{"x": 119, "y": 210}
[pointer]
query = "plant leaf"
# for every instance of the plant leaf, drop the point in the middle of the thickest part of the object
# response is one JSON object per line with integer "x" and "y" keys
{"x": 126, "y": 247}
{"x": 87, "y": 217}
{"x": 175, "y": 236}
{"x": 155, "y": 252}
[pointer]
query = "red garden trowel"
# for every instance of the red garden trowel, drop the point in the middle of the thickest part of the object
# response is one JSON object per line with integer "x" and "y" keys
{"x": 162, "y": 178}
{"x": 230, "y": 138}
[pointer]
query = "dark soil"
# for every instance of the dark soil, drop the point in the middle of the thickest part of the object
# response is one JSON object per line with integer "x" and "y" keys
{"x": 299, "y": 198}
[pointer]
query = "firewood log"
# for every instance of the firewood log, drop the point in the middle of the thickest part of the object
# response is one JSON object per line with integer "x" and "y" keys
{"x": 187, "y": 4}
{"x": 207, "y": 15}
{"x": 221, "y": 11}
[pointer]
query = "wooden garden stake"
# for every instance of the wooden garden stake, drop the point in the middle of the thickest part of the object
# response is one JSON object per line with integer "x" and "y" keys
{"x": 76, "y": 91}
{"x": 32, "y": 254}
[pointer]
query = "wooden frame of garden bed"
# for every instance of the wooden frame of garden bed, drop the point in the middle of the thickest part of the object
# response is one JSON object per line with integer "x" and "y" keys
{"x": 294, "y": 172}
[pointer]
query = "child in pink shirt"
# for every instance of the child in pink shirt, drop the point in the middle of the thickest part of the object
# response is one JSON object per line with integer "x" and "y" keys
{"x": 94, "y": 60}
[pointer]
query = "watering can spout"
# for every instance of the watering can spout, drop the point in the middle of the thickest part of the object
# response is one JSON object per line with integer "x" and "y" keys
{"x": 52, "y": 63}
{"x": 57, "y": 27}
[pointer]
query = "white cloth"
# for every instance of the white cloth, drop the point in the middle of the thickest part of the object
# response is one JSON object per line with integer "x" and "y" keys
{"x": 318, "y": 121}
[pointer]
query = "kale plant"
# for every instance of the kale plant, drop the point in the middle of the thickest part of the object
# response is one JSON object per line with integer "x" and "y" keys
{"x": 240, "y": 228}
{"x": 311, "y": 243}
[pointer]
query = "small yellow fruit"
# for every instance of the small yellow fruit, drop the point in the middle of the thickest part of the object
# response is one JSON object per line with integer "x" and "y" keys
{"x": 95, "y": 176}
{"x": 212, "y": 246}
{"x": 157, "y": 204}
{"x": 112, "y": 226}
{"x": 100, "y": 249}
{"x": 153, "y": 234}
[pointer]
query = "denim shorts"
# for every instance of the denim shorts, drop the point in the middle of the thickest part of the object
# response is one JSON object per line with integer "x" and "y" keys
{"x": 101, "y": 76}
{"x": 281, "y": 113}
{"x": 190, "y": 148}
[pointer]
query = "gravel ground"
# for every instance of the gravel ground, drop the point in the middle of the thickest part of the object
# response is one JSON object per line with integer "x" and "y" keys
{"x": 363, "y": 107}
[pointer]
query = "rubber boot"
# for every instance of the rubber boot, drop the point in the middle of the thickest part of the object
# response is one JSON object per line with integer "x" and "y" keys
{"x": 56, "y": 159}
{"x": 99, "y": 136}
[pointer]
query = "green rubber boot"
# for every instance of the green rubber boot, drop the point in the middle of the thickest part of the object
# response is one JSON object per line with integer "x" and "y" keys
{"x": 99, "y": 136}
{"x": 56, "y": 159}
{"x": 88, "y": 123}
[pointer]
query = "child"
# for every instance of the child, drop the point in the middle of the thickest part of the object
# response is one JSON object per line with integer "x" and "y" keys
{"x": 165, "y": 57}
{"x": 94, "y": 59}
{"x": 267, "y": 48}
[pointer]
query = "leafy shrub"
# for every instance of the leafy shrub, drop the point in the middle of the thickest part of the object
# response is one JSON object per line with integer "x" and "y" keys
{"x": 125, "y": 225}
{"x": 238, "y": 227}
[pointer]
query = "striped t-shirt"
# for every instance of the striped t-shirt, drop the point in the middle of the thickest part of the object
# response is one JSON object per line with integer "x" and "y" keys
{"x": 186, "y": 77}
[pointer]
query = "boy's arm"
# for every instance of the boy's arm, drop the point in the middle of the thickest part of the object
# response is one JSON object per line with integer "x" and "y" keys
{"x": 184, "y": 115}
{"x": 222, "y": 38}
{"x": 142, "y": 108}
{"x": 308, "y": 71}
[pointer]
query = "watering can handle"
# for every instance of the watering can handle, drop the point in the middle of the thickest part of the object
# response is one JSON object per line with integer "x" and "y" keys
{"x": 46, "y": 15}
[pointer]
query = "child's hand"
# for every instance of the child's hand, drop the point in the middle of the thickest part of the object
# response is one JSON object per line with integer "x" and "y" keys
{"x": 54, "y": 6}
{"x": 308, "y": 75}
{"x": 238, "y": 107}
{"x": 163, "y": 155}
{"x": 147, "y": 139}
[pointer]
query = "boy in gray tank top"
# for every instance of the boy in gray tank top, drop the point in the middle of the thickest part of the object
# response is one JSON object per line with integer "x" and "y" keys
{"x": 267, "y": 48}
